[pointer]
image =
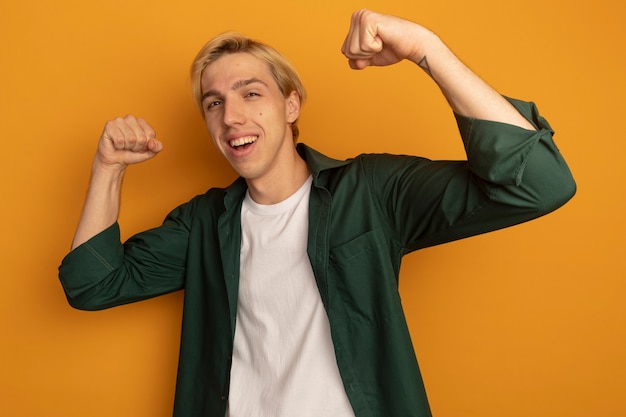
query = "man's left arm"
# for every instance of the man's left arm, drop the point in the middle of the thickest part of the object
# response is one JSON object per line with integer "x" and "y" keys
{"x": 514, "y": 171}
{"x": 379, "y": 40}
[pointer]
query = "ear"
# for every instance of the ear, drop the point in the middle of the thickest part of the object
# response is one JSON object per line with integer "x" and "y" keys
{"x": 292, "y": 107}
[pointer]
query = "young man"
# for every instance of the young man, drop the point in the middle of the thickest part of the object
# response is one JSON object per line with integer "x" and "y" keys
{"x": 290, "y": 274}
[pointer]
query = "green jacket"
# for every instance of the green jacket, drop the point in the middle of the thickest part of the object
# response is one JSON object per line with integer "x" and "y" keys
{"x": 365, "y": 214}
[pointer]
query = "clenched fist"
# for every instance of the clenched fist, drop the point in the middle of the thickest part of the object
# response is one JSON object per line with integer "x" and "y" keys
{"x": 127, "y": 140}
{"x": 379, "y": 40}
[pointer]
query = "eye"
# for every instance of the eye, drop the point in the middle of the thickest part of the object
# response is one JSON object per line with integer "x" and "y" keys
{"x": 212, "y": 104}
{"x": 252, "y": 94}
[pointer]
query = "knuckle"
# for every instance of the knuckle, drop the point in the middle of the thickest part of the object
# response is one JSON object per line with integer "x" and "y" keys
{"x": 131, "y": 138}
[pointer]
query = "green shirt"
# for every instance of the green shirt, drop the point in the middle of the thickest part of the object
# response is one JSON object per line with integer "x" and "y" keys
{"x": 365, "y": 214}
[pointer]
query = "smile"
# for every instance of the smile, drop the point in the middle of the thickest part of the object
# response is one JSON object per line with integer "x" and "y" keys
{"x": 245, "y": 140}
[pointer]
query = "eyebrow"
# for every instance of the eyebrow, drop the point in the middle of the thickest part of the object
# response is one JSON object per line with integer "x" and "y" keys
{"x": 239, "y": 84}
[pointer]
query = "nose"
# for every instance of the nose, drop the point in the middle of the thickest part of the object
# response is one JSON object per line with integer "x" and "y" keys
{"x": 233, "y": 113}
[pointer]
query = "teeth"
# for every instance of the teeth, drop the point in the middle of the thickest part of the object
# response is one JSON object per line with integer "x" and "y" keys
{"x": 243, "y": 141}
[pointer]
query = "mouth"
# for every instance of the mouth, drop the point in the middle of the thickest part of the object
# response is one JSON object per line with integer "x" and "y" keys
{"x": 242, "y": 141}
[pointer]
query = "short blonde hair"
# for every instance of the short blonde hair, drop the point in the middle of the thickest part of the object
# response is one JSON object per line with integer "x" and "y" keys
{"x": 283, "y": 72}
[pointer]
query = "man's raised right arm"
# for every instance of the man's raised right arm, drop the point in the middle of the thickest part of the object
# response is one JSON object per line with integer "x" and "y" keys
{"x": 124, "y": 141}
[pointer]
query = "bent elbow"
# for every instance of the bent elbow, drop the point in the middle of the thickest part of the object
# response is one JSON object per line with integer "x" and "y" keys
{"x": 555, "y": 191}
{"x": 546, "y": 179}
{"x": 561, "y": 197}
{"x": 84, "y": 303}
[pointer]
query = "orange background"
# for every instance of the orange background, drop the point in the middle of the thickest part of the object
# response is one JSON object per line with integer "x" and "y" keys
{"x": 528, "y": 321}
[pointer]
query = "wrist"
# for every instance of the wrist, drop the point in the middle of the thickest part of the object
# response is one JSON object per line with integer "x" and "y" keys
{"x": 427, "y": 43}
{"x": 105, "y": 173}
{"x": 113, "y": 169}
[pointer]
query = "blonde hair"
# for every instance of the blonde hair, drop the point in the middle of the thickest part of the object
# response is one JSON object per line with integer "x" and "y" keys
{"x": 281, "y": 69}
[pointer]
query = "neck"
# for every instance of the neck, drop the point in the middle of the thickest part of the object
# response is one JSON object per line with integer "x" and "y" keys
{"x": 282, "y": 183}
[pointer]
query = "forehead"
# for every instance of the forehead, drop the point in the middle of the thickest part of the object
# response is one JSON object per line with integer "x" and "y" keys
{"x": 229, "y": 69}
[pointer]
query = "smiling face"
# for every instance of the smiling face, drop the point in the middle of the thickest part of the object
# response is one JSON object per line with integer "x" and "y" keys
{"x": 247, "y": 116}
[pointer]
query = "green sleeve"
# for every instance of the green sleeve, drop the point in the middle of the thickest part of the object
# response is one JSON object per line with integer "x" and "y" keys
{"x": 103, "y": 272}
{"x": 511, "y": 175}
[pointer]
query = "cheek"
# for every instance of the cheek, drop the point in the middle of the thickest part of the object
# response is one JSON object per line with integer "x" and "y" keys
{"x": 213, "y": 135}
{"x": 210, "y": 127}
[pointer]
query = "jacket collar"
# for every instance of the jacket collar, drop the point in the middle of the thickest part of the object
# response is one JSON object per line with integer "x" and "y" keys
{"x": 235, "y": 193}
{"x": 316, "y": 161}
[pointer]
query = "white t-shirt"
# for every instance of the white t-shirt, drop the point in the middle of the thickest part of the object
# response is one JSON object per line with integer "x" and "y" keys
{"x": 283, "y": 360}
